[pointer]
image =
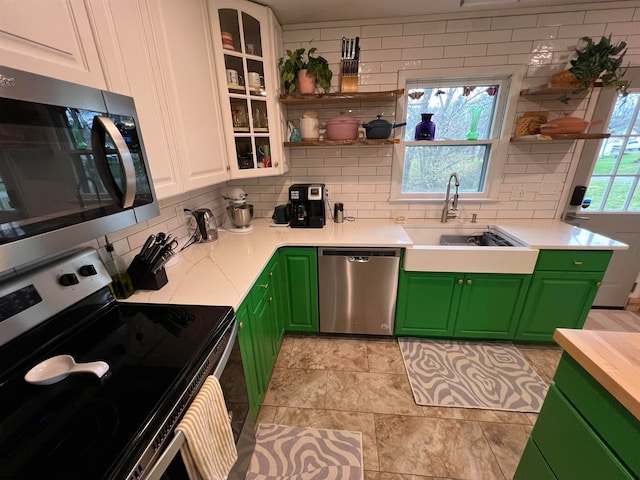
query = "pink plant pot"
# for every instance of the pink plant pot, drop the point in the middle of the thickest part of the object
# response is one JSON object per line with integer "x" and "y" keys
{"x": 306, "y": 83}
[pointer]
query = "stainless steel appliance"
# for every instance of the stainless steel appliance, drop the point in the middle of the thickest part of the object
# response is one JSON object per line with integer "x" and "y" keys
{"x": 357, "y": 289}
{"x": 121, "y": 425}
{"x": 72, "y": 166}
{"x": 239, "y": 212}
{"x": 206, "y": 228}
{"x": 307, "y": 206}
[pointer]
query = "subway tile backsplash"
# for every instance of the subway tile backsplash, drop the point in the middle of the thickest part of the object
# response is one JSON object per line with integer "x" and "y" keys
{"x": 533, "y": 181}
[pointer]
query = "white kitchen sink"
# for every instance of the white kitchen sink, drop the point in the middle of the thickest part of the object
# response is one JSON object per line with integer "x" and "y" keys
{"x": 428, "y": 255}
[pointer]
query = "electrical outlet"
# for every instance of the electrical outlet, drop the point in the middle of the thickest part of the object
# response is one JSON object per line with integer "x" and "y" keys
{"x": 180, "y": 214}
{"x": 326, "y": 193}
{"x": 517, "y": 193}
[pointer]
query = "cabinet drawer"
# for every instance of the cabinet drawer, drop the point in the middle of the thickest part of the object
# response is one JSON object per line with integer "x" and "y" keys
{"x": 261, "y": 287}
{"x": 574, "y": 260}
{"x": 617, "y": 427}
{"x": 532, "y": 465}
{"x": 572, "y": 449}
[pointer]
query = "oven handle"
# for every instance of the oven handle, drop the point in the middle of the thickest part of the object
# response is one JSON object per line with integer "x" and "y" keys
{"x": 178, "y": 440}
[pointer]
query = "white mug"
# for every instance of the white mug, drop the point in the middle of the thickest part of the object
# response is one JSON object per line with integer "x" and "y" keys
{"x": 309, "y": 128}
{"x": 232, "y": 77}
{"x": 254, "y": 79}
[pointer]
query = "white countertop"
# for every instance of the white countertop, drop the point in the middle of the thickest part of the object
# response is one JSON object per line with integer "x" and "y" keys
{"x": 222, "y": 272}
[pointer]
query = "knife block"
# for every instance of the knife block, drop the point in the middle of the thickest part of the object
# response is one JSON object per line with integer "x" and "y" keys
{"x": 143, "y": 279}
{"x": 349, "y": 82}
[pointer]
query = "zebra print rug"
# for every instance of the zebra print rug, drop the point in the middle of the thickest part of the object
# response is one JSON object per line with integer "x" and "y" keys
{"x": 288, "y": 453}
{"x": 492, "y": 376}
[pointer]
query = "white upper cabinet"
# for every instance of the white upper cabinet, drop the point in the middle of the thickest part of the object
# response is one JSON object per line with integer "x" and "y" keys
{"x": 52, "y": 38}
{"x": 246, "y": 43}
{"x": 164, "y": 60}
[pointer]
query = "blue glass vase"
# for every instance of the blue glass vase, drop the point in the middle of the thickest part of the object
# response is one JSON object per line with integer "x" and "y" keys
{"x": 426, "y": 129}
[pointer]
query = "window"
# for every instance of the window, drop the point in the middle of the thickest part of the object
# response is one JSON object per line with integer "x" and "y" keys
{"x": 471, "y": 109}
{"x": 613, "y": 186}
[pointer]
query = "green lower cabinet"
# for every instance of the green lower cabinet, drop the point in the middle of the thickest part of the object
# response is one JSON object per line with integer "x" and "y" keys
{"x": 490, "y": 305}
{"x": 299, "y": 267}
{"x": 556, "y": 300}
{"x": 249, "y": 361}
{"x": 582, "y": 432}
{"x": 427, "y": 304}
{"x": 477, "y": 305}
{"x": 532, "y": 465}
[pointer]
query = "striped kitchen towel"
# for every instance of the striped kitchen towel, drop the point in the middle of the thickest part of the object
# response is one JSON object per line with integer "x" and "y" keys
{"x": 210, "y": 451}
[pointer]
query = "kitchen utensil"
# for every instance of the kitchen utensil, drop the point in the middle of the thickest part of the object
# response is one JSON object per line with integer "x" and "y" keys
{"x": 146, "y": 248}
{"x": 55, "y": 369}
{"x": 309, "y": 128}
{"x": 338, "y": 212}
{"x": 254, "y": 80}
{"x": 565, "y": 124}
{"x": 342, "y": 127}
{"x": 240, "y": 215}
{"x": 281, "y": 215}
{"x": 380, "y": 129}
{"x": 206, "y": 227}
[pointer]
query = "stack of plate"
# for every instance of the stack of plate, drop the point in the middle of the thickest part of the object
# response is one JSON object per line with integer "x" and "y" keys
{"x": 227, "y": 41}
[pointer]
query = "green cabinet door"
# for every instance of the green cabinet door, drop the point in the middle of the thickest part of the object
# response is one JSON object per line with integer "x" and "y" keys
{"x": 490, "y": 305}
{"x": 263, "y": 333}
{"x": 300, "y": 279}
{"x": 277, "y": 287}
{"x": 556, "y": 300}
{"x": 249, "y": 361}
{"x": 427, "y": 303}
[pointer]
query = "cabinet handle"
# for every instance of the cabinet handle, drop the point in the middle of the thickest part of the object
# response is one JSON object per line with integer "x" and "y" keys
{"x": 276, "y": 164}
{"x": 271, "y": 299}
{"x": 598, "y": 284}
{"x": 460, "y": 282}
{"x": 577, "y": 262}
{"x": 469, "y": 282}
{"x": 241, "y": 325}
{"x": 271, "y": 274}
{"x": 265, "y": 286}
{"x": 228, "y": 168}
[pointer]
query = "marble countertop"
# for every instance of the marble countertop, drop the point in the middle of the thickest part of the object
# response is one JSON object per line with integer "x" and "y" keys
{"x": 612, "y": 358}
{"x": 222, "y": 272}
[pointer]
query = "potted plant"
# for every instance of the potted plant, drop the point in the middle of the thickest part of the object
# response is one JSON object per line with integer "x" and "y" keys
{"x": 600, "y": 61}
{"x": 307, "y": 72}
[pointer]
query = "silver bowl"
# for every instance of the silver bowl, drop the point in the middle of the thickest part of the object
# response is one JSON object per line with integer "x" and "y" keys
{"x": 240, "y": 216}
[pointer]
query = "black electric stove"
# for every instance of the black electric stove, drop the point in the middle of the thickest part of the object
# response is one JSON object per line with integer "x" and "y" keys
{"x": 85, "y": 427}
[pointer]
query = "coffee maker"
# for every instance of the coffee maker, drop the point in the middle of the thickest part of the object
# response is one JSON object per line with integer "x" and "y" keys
{"x": 307, "y": 205}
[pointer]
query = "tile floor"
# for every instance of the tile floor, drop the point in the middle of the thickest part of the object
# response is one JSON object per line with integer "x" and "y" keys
{"x": 359, "y": 383}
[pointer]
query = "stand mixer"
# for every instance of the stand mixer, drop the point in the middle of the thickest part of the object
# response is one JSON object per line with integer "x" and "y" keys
{"x": 239, "y": 212}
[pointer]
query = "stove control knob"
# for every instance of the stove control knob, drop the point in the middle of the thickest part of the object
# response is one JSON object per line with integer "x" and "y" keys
{"x": 68, "y": 279}
{"x": 87, "y": 270}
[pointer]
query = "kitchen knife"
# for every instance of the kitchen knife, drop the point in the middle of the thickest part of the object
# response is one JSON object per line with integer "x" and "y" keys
{"x": 146, "y": 247}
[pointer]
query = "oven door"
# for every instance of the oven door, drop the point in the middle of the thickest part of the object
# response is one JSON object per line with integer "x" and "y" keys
{"x": 230, "y": 373}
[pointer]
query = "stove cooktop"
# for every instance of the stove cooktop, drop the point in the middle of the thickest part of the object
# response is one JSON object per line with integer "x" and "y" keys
{"x": 85, "y": 427}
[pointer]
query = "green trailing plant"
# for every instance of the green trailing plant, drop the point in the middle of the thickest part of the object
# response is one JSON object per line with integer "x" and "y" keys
{"x": 296, "y": 61}
{"x": 600, "y": 61}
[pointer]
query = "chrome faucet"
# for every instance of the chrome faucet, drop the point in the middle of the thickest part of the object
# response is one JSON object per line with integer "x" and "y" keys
{"x": 454, "y": 203}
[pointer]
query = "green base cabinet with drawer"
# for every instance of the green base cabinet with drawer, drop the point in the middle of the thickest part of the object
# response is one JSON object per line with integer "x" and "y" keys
{"x": 299, "y": 267}
{"x": 260, "y": 331}
{"x": 563, "y": 287}
{"x": 582, "y": 432}
{"x": 471, "y": 305}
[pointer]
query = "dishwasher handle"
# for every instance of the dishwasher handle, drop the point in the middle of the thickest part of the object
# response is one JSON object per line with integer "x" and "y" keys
{"x": 359, "y": 259}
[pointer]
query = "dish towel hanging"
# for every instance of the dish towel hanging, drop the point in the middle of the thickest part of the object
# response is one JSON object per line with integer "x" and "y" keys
{"x": 210, "y": 451}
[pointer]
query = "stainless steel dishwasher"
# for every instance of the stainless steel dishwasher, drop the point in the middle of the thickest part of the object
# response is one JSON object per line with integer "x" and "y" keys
{"x": 358, "y": 289}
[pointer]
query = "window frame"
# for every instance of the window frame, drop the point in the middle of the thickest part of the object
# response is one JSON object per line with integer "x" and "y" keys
{"x": 499, "y": 145}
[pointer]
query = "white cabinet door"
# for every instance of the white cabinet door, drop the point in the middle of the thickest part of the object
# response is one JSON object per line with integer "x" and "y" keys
{"x": 52, "y": 38}
{"x": 244, "y": 38}
{"x": 186, "y": 60}
{"x": 165, "y": 63}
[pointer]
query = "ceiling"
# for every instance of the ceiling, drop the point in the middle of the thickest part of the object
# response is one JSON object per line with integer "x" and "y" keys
{"x": 308, "y": 11}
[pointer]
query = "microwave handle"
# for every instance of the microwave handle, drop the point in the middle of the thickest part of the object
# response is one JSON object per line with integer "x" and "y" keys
{"x": 102, "y": 125}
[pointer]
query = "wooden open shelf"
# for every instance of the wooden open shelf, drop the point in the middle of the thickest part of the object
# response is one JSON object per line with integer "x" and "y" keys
{"x": 341, "y": 143}
{"x": 549, "y": 89}
{"x": 559, "y": 136}
{"x": 299, "y": 99}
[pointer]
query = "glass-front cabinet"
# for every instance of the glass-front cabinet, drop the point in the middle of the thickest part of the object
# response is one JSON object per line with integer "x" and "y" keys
{"x": 246, "y": 39}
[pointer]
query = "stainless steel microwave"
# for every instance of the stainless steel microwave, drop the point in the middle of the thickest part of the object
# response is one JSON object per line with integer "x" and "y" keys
{"x": 72, "y": 166}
